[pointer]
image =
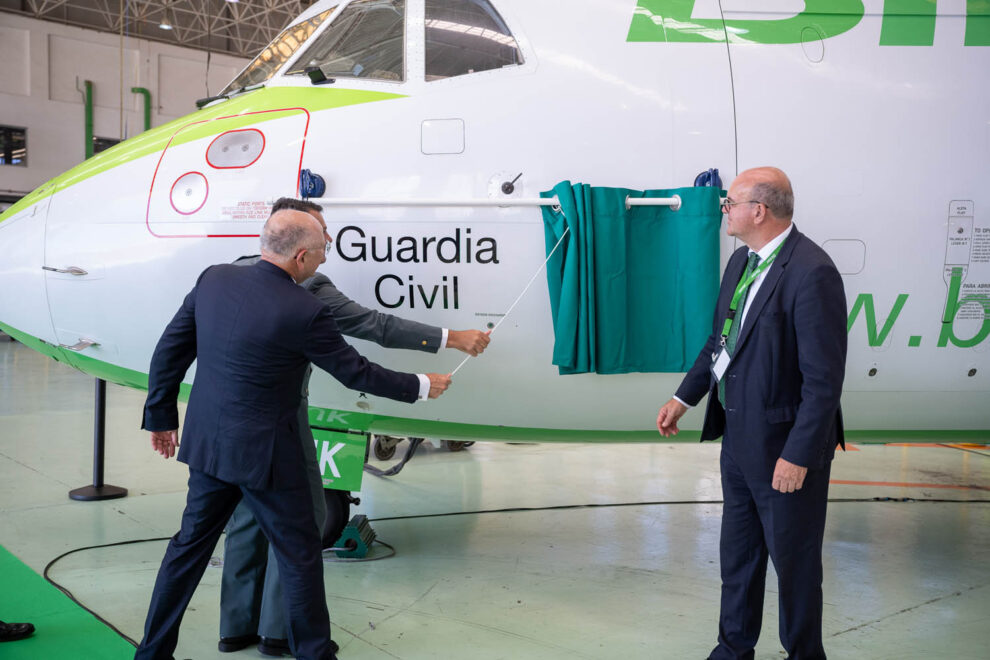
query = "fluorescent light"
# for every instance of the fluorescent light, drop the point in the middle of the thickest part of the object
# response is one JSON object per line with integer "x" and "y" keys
{"x": 165, "y": 24}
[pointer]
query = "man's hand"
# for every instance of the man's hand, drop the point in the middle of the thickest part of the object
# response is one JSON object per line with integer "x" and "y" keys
{"x": 668, "y": 416}
{"x": 472, "y": 342}
{"x": 165, "y": 442}
{"x": 438, "y": 384}
{"x": 788, "y": 477}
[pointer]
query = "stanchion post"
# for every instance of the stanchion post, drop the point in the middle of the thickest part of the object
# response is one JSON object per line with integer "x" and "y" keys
{"x": 98, "y": 490}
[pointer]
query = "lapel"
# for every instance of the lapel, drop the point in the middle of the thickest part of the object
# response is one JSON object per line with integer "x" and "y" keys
{"x": 770, "y": 281}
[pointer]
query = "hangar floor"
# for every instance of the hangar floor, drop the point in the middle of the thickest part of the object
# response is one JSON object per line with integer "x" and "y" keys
{"x": 617, "y": 559}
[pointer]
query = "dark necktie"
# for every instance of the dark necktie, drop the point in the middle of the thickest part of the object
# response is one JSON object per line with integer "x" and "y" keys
{"x": 730, "y": 341}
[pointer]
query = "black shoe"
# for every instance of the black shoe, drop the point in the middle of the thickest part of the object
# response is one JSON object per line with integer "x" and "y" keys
{"x": 280, "y": 647}
{"x": 231, "y": 644}
{"x": 10, "y": 632}
{"x": 274, "y": 647}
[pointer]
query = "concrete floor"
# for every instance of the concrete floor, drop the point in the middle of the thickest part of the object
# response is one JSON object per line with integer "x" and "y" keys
{"x": 632, "y": 575}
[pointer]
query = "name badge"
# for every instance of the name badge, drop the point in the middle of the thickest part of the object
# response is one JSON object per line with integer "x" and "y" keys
{"x": 720, "y": 363}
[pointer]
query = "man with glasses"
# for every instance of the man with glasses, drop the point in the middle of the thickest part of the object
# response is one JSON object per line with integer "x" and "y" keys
{"x": 253, "y": 333}
{"x": 251, "y": 610}
{"x": 773, "y": 369}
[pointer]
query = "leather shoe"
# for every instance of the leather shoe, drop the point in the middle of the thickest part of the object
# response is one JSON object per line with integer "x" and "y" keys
{"x": 10, "y": 632}
{"x": 231, "y": 644}
{"x": 274, "y": 647}
{"x": 280, "y": 647}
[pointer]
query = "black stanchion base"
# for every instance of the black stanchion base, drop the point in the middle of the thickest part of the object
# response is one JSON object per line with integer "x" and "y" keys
{"x": 95, "y": 493}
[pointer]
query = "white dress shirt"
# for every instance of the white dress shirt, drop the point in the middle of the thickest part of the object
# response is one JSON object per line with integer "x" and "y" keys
{"x": 424, "y": 382}
{"x": 764, "y": 253}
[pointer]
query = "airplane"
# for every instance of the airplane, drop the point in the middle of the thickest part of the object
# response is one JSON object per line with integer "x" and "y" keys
{"x": 442, "y": 121}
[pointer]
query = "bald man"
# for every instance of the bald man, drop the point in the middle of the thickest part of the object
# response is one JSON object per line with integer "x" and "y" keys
{"x": 773, "y": 370}
{"x": 251, "y": 610}
{"x": 253, "y": 332}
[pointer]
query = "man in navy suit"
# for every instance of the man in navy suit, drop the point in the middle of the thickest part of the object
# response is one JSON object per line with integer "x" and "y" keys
{"x": 253, "y": 333}
{"x": 251, "y": 610}
{"x": 773, "y": 369}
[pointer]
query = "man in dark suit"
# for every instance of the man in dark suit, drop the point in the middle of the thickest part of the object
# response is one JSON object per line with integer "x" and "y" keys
{"x": 251, "y": 610}
{"x": 773, "y": 369}
{"x": 253, "y": 332}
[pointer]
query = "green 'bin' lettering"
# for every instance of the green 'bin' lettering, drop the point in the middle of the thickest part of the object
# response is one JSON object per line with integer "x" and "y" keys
{"x": 670, "y": 21}
{"x": 908, "y": 23}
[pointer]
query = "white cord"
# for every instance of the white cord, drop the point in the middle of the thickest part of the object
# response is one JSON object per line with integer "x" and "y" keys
{"x": 513, "y": 306}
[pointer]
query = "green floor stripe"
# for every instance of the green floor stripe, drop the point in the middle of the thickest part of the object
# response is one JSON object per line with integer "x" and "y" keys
{"x": 63, "y": 629}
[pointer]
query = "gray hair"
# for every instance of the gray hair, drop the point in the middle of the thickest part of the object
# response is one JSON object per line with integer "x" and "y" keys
{"x": 778, "y": 197}
{"x": 284, "y": 239}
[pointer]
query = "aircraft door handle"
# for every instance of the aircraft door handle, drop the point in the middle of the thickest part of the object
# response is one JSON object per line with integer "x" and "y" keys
{"x": 71, "y": 270}
{"x": 80, "y": 345}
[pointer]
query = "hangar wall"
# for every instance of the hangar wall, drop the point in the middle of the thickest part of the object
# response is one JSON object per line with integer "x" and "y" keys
{"x": 42, "y": 69}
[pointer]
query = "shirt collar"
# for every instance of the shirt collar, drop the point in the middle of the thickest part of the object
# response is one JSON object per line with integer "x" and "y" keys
{"x": 768, "y": 249}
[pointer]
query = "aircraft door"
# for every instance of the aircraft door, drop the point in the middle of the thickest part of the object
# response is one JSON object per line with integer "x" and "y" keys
{"x": 23, "y": 290}
{"x": 76, "y": 251}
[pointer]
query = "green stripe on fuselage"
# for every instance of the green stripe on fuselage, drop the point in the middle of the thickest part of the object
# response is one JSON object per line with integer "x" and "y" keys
{"x": 154, "y": 141}
{"x": 401, "y": 426}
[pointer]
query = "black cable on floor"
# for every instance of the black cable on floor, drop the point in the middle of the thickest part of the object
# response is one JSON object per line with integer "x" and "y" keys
{"x": 565, "y": 507}
{"x": 76, "y": 600}
{"x": 72, "y": 597}
{"x": 332, "y": 559}
{"x": 561, "y": 507}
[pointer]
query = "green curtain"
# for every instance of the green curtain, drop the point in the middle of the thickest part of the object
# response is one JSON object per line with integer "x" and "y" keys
{"x": 631, "y": 290}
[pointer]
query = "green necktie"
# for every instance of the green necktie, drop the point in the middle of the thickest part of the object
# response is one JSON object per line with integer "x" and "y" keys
{"x": 730, "y": 341}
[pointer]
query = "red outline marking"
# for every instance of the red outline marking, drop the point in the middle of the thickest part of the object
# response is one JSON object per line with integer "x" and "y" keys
{"x": 151, "y": 189}
{"x": 236, "y": 167}
{"x": 171, "y": 192}
{"x": 900, "y": 484}
{"x": 942, "y": 445}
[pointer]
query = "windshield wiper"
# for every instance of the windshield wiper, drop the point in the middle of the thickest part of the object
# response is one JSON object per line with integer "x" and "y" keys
{"x": 209, "y": 99}
{"x": 240, "y": 90}
{"x": 317, "y": 77}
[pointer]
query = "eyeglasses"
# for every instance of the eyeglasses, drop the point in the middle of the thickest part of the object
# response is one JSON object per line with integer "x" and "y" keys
{"x": 326, "y": 248}
{"x": 724, "y": 206}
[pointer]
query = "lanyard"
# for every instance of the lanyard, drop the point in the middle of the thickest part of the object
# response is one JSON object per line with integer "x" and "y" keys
{"x": 741, "y": 289}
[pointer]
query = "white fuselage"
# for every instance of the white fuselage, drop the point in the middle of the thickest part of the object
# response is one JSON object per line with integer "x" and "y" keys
{"x": 888, "y": 149}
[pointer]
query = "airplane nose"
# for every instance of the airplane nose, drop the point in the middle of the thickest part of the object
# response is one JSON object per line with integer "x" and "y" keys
{"x": 24, "y": 312}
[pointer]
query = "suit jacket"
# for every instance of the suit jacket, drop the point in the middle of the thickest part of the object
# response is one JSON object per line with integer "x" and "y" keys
{"x": 254, "y": 333}
{"x": 355, "y": 320}
{"x": 783, "y": 385}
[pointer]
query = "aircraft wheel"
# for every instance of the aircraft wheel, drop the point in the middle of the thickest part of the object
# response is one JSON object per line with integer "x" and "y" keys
{"x": 338, "y": 514}
{"x": 385, "y": 447}
{"x": 455, "y": 445}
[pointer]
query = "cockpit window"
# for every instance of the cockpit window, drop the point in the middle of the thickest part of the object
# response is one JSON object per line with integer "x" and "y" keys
{"x": 466, "y": 36}
{"x": 276, "y": 53}
{"x": 365, "y": 41}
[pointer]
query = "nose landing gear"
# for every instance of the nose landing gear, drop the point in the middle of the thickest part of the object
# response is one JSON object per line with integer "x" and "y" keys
{"x": 338, "y": 513}
{"x": 384, "y": 446}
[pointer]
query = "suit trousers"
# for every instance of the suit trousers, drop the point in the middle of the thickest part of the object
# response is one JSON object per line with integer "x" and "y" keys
{"x": 757, "y": 522}
{"x": 286, "y": 516}
{"x": 250, "y": 586}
